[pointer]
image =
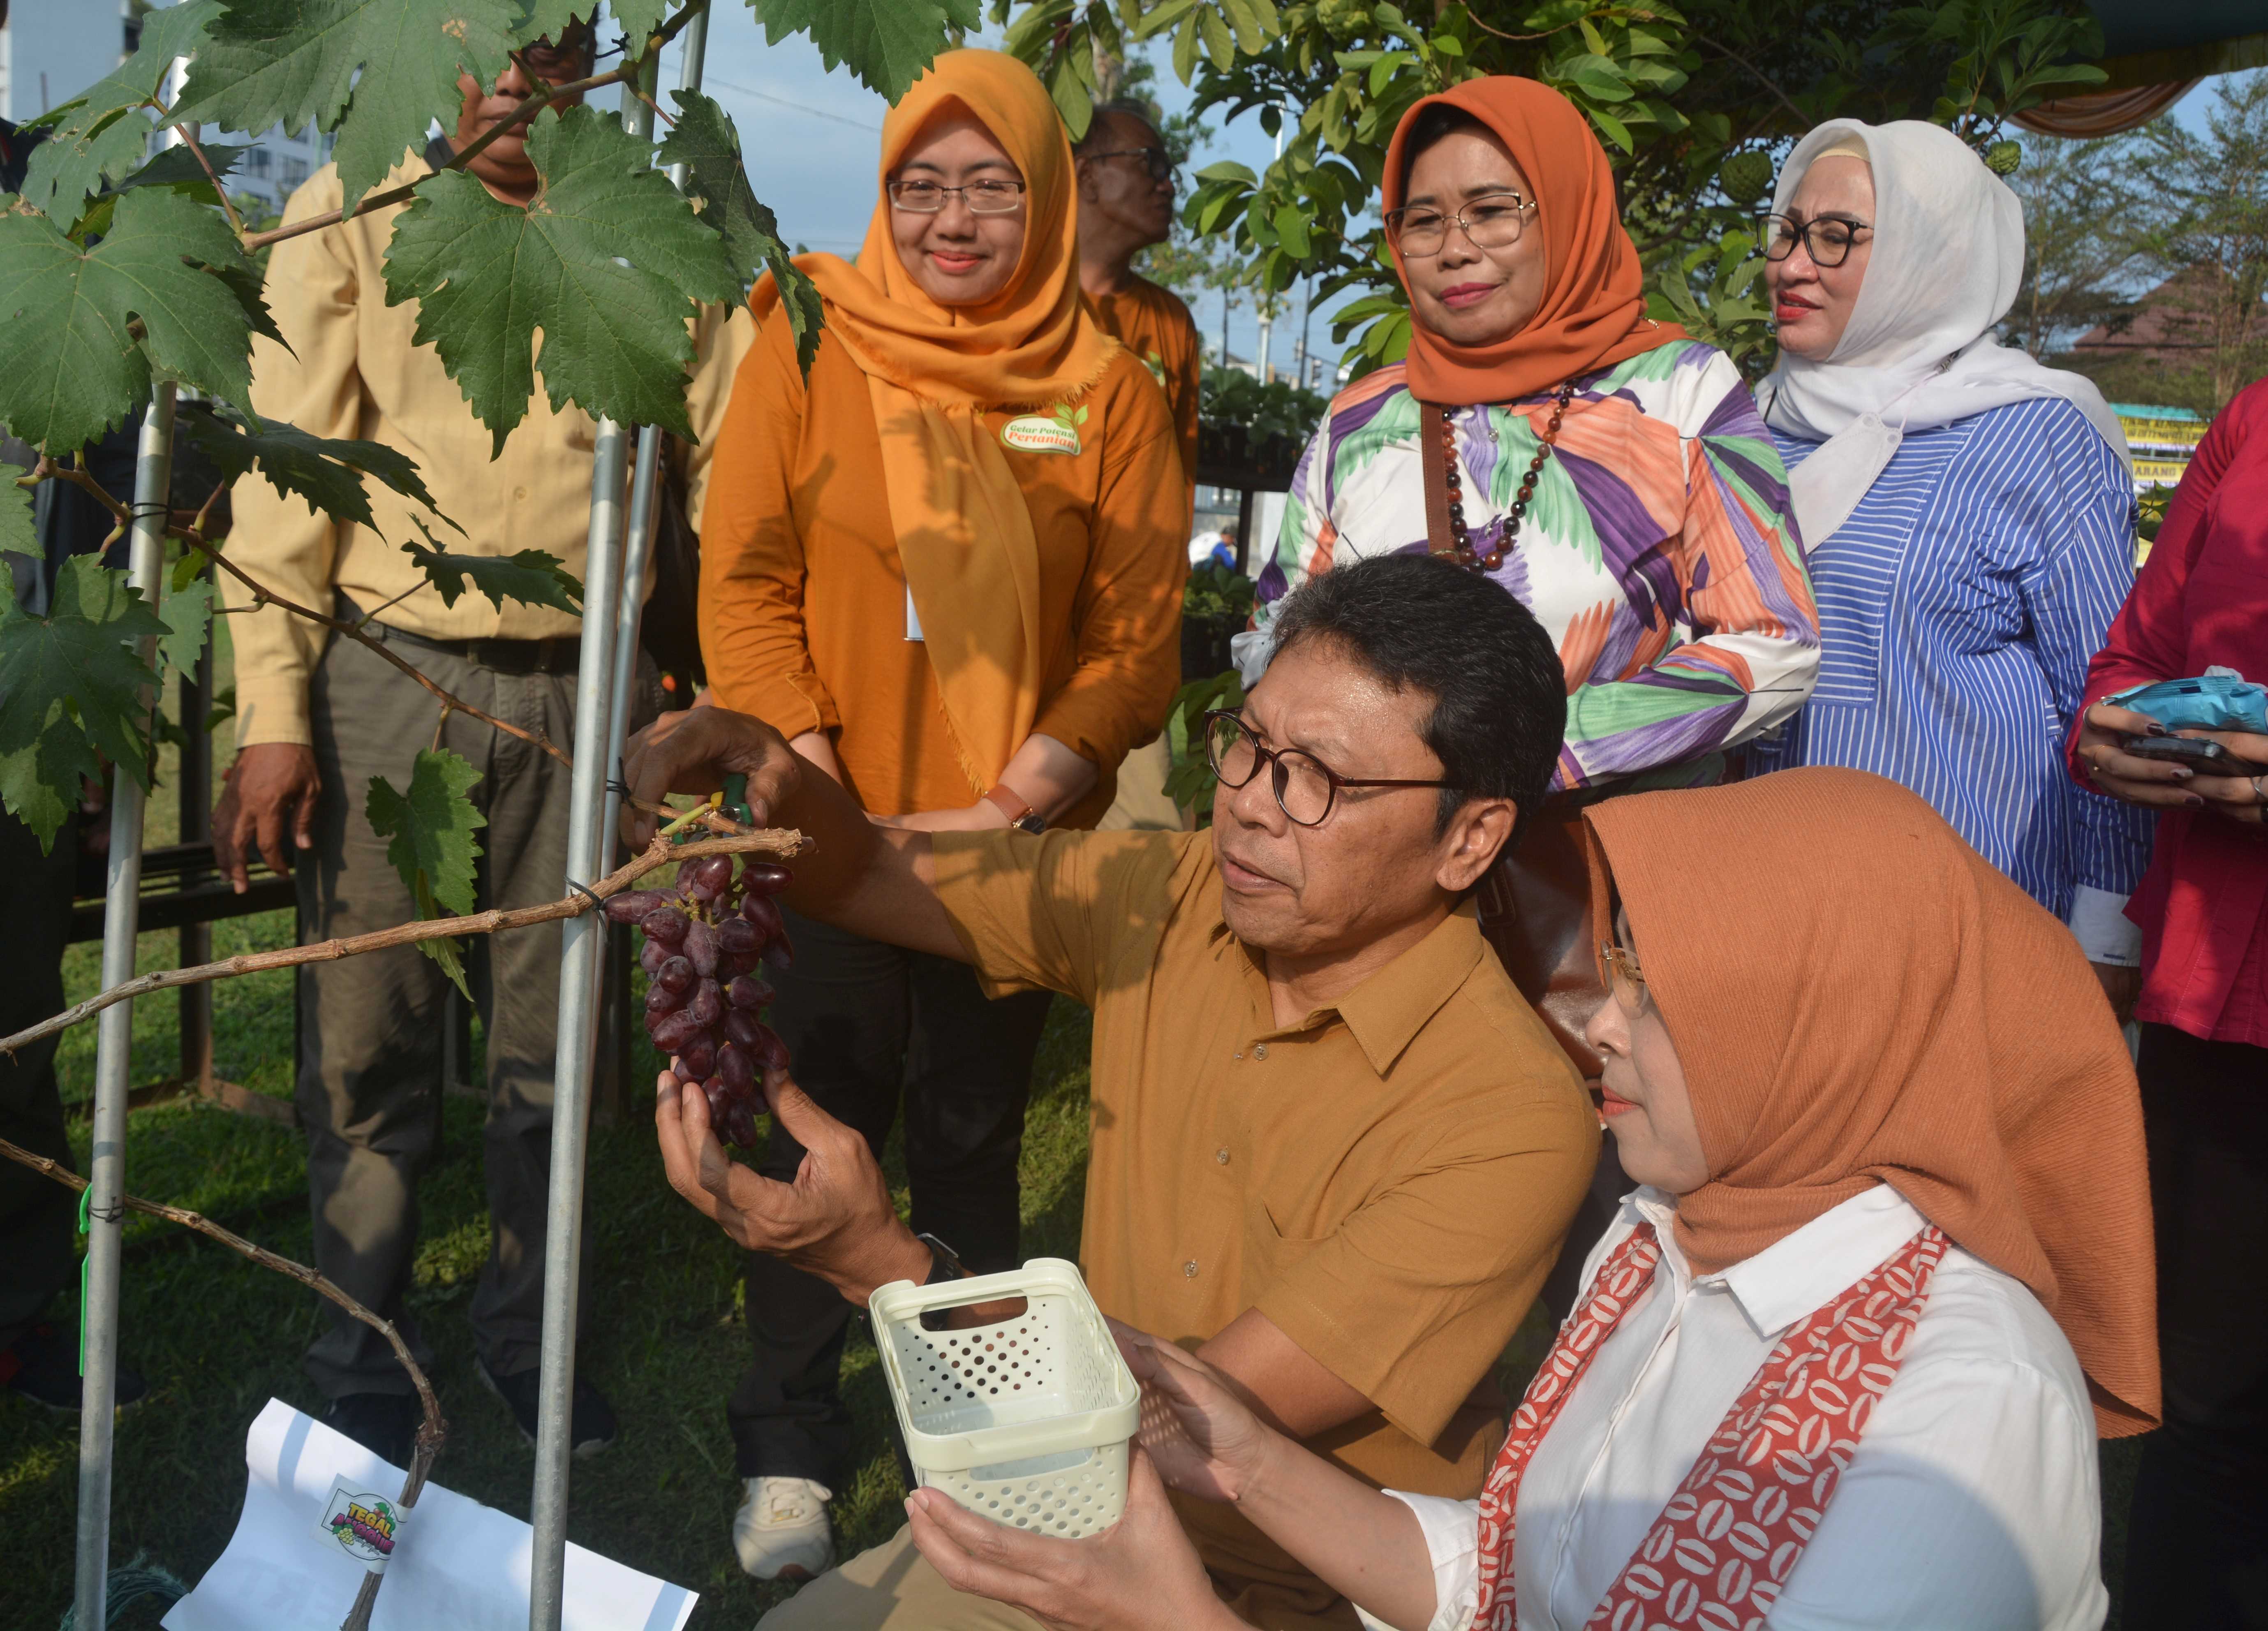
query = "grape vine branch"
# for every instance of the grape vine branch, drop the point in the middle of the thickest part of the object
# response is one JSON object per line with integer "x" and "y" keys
{"x": 781, "y": 842}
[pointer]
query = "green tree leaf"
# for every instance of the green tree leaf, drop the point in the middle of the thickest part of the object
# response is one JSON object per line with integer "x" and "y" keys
{"x": 377, "y": 71}
{"x": 327, "y": 474}
{"x": 887, "y": 43}
{"x": 607, "y": 261}
{"x": 71, "y": 686}
{"x": 705, "y": 143}
{"x": 70, "y": 366}
{"x": 17, "y": 533}
{"x": 188, "y": 614}
{"x": 432, "y": 829}
{"x": 529, "y": 576}
{"x": 98, "y": 134}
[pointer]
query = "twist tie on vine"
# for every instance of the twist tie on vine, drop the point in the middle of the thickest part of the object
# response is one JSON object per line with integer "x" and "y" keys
{"x": 587, "y": 893}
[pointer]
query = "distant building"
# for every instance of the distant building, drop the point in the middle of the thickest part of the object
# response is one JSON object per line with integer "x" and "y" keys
{"x": 50, "y": 50}
{"x": 266, "y": 177}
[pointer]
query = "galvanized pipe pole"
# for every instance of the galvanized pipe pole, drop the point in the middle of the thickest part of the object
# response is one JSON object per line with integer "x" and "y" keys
{"x": 645, "y": 507}
{"x": 113, "y": 1062}
{"x": 582, "y": 959}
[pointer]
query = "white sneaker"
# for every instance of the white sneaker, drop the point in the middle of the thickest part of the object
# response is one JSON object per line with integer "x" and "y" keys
{"x": 780, "y": 1531}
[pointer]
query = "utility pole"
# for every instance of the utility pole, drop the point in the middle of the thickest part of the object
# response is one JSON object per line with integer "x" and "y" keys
{"x": 1264, "y": 301}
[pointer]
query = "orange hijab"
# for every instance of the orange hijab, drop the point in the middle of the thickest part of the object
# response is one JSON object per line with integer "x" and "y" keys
{"x": 1857, "y": 995}
{"x": 1593, "y": 309}
{"x": 971, "y": 559}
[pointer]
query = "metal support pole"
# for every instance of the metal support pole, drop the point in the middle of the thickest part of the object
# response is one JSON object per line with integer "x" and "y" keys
{"x": 195, "y": 780}
{"x": 113, "y": 1063}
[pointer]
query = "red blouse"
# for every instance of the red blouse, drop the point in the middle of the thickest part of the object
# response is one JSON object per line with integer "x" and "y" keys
{"x": 2202, "y": 599}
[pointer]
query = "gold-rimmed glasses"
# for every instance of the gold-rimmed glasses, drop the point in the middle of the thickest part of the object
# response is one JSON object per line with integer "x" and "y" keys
{"x": 1625, "y": 979}
{"x": 1490, "y": 221}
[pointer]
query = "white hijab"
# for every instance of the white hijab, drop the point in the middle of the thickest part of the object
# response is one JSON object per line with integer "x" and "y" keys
{"x": 1947, "y": 257}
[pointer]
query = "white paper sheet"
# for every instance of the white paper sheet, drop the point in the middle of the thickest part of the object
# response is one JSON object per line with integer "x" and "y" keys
{"x": 455, "y": 1563}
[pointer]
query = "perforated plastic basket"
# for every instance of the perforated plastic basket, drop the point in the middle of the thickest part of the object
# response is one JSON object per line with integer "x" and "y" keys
{"x": 1026, "y": 1422}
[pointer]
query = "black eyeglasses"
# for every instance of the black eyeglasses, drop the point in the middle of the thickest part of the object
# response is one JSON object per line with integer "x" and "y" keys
{"x": 1156, "y": 160}
{"x": 1305, "y": 786}
{"x": 571, "y": 56}
{"x": 1826, "y": 239}
{"x": 985, "y": 197}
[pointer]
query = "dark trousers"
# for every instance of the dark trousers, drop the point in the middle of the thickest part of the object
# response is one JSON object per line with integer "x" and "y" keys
{"x": 369, "y": 1087}
{"x": 872, "y": 1027}
{"x": 37, "y": 1216}
{"x": 2197, "y": 1545}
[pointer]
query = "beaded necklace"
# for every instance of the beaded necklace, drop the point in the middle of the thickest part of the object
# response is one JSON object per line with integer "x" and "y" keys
{"x": 1494, "y": 558}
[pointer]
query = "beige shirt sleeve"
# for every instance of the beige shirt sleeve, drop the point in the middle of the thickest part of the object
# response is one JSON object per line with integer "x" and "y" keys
{"x": 284, "y": 542}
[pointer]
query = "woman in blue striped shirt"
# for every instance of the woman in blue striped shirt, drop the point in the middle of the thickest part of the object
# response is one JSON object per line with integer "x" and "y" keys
{"x": 1968, "y": 515}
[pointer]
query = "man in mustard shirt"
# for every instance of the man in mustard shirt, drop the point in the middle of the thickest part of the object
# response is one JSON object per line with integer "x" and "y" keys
{"x": 1333, "y": 1150}
{"x": 317, "y": 718}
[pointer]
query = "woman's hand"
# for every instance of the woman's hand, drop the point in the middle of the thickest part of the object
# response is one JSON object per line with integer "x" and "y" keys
{"x": 981, "y": 816}
{"x": 2157, "y": 783}
{"x": 2238, "y": 798}
{"x": 1204, "y": 1440}
{"x": 1139, "y": 1575}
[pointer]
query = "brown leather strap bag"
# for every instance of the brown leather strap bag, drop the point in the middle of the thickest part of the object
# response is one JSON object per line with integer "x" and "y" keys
{"x": 1536, "y": 903}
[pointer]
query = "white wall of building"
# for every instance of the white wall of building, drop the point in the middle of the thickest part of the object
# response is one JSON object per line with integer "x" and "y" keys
{"x": 51, "y": 50}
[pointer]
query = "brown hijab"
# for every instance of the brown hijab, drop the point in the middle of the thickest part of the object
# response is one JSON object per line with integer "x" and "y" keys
{"x": 1593, "y": 309}
{"x": 1857, "y": 995}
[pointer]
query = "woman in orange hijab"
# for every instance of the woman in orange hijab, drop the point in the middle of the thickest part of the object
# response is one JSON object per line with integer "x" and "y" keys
{"x": 947, "y": 566}
{"x": 1844, "y": 1356}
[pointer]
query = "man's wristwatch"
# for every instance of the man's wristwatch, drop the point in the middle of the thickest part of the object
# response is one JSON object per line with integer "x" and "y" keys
{"x": 1020, "y": 815}
{"x": 945, "y": 1263}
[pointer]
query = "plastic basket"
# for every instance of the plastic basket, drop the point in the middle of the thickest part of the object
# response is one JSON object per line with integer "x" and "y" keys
{"x": 1026, "y": 1422}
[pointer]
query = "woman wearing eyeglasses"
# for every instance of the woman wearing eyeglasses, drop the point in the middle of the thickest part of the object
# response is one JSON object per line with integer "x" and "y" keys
{"x": 1606, "y": 469}
{"x": 1967, "y": 511}
{"x": 1844, "y": 1356}
{"x": 948, "y": 567}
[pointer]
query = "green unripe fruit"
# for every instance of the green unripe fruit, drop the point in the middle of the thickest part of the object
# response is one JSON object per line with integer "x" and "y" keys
{"x": 2003, "y": 156}
{"x": 1745, "y": 177}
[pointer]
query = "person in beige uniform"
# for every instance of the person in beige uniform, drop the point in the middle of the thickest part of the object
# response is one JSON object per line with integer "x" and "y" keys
{"x": 1126, "y": 204}
{"x": 317, "y": 718}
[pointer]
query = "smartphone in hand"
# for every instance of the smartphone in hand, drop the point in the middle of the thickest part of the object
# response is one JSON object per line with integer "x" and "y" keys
{"x": 2206, "y": 758}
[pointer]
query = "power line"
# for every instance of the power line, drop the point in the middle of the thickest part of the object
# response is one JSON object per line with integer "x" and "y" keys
{"x": 816, "y": 112}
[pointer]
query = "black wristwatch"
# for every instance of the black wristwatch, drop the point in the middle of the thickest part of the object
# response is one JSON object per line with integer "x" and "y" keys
{"x": 945, "y": 1263}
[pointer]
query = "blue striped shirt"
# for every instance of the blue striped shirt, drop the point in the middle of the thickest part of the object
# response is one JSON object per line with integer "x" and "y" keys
{"x": 1958, "y": 607}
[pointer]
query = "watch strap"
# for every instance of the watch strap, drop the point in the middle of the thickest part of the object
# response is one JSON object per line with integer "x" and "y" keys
{"x": 1020, "y": 814}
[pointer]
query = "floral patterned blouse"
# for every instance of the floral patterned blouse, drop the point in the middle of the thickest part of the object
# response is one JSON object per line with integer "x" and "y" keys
{"x": 1660, "y": 551}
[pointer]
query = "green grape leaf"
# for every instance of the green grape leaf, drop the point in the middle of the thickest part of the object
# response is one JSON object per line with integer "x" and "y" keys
{"x": 377, "y": 71}
{"x": 72, "y": 689}
{"x": 70, "y": 367}
{"x": 188, "y": 614}
{"x": 607, "y": 261}
{"x": 433, "y": 847}
{"x": 705, "y": 143}
{"x": 177, "y": 167}
{"x": 887, "y": 43}
{"x": 98, "y": 134}
{"x": 17, "y": 536}
{"x": 529, "y": 576}
{"x": 327, "y": 474}
{"x": 544, "y": 19}
{"x": 186, "y": 569}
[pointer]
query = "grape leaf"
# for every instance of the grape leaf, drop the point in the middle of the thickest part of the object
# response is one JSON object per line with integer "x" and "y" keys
{"x": 377, "y": 71}
{"x": 607, "y": 261}
{"x": 70, "y": 368}
{"x": 327, "y": 474}
{"x": 705, "y": 143}
{"x": 187, "y": 614}
{"x": 887, "y": 43}
{"x": 71, "y": 685}
{"x": 17, "y": 536}
{"x": 544, "y": 19}
{"x": 432, "y": 829}
{"x": 98, "y": 134}
{"x": 530, "y": 576}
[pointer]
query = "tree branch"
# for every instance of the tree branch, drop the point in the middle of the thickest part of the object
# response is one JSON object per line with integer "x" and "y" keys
{"x": 783, "y": 843}
{"x": 227, "y": 208}
{"x": 1802, "y": 119}
{"x": 539, "y": 98}
{"x": 430, "y": 1432}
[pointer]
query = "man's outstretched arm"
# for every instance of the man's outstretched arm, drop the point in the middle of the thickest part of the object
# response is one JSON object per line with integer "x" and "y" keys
{"x": 877, "y": 882}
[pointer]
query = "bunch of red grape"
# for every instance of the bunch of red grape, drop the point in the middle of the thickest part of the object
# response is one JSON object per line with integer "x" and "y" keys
{"x": 703, "y": 945}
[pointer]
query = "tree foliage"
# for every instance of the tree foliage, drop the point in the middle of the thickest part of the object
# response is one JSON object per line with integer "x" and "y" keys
{"x": 430, "y": 828}
{"x": 1695, "y": 103}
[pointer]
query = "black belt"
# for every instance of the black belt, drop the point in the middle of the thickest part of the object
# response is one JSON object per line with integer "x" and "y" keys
{"x": 557, "y": 656}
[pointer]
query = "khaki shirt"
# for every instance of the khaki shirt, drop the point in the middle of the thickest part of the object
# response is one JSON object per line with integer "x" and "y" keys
{"x": 354, "y": 369}
{"x": 1388, "y": 1180}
